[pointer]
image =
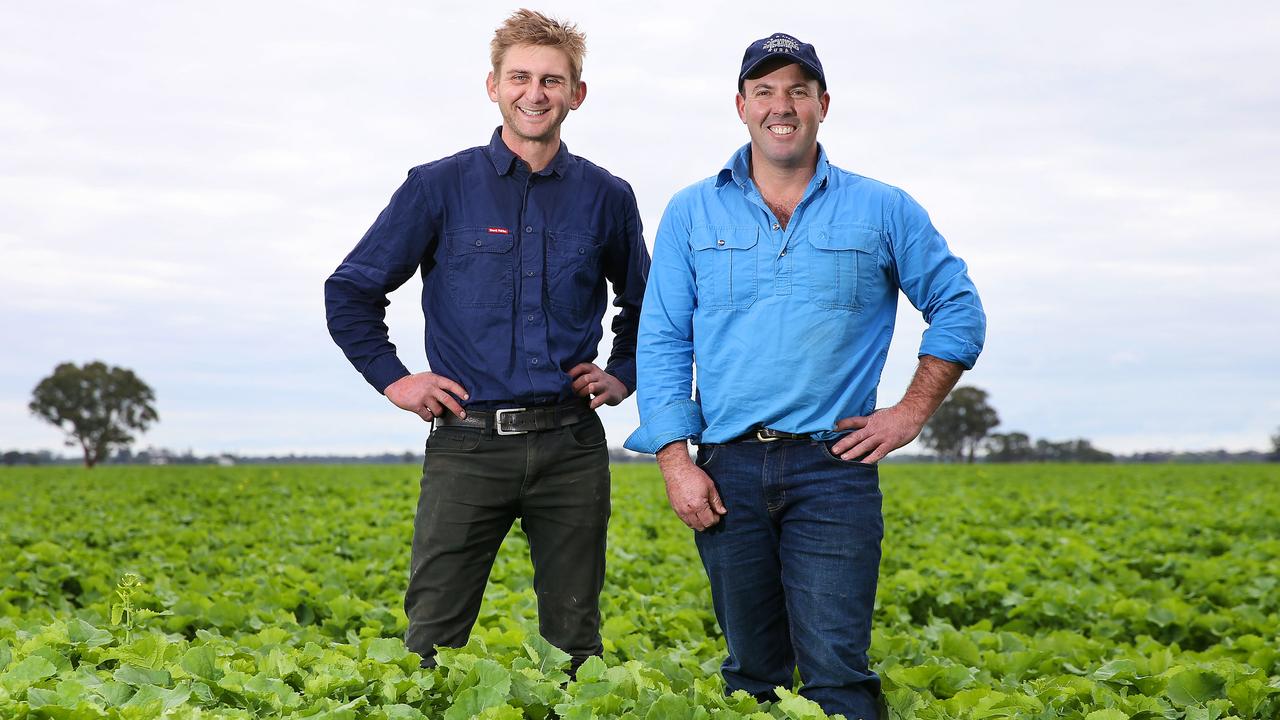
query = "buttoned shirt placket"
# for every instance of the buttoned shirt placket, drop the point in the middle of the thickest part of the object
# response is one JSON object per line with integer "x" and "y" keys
{"x": 779, "y": 239}
{"x": 531, "y": 244}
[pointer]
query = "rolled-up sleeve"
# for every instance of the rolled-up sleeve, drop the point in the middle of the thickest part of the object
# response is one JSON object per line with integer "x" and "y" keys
{"x": 355, "y": 295}
{"x": 937, "y": 283}
{"x": 664, "y": 358}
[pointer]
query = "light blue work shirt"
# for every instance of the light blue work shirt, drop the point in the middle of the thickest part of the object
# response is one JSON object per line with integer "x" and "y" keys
{"x": 789, "y": 326}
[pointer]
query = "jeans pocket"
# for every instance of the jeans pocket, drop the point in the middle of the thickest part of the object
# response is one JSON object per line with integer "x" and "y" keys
{"x": 826, "y": 450}
{"x": 453, "y": 440}
{"x": 706, "y": 453}
{"x": 480, "y": 267}
{"x": 587, "y": 434}
{"x": 844, "y": 266}
{"x": 725, "y": 265}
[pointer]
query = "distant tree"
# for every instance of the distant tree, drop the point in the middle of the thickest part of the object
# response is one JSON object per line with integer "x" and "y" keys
{"x": 1009, "y": 447}
{"x": 96, "y": 406}
{"x": 1275, "y": 446}
{"x": 960, "y": 424}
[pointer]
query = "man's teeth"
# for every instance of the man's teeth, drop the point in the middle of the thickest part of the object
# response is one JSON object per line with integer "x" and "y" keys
{"x": 781, "y": 129}
{"x": 533, "y": 112}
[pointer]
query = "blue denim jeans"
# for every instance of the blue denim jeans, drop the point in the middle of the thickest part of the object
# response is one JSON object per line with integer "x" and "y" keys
{"x": 793, "y": 566}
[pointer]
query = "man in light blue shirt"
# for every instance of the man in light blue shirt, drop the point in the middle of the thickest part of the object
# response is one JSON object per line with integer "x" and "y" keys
{"x": 781, "y": 275}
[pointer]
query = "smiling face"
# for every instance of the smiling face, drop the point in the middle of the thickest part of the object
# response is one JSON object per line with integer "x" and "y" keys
{"x": 535, "y": 91}
{"x": 782, "y": 110}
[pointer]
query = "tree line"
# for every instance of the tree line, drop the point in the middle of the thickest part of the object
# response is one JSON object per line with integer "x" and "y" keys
{"x": 99, "y": 408}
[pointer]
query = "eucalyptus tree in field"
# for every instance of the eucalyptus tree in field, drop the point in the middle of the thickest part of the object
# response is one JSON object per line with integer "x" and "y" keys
{"x": 96, "y": 405}
{"x": 958, "y": 427}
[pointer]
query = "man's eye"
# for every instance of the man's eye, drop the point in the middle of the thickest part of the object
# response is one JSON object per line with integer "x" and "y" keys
{"x": 551, "y": 81}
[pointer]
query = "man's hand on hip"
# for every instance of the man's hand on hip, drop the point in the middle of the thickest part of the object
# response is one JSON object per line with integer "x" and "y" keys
{"x": 589, "y": 381}
{"x": 877, "y": 434}
{"x": 427, "y": 395}
{"x": 690, "y": 491}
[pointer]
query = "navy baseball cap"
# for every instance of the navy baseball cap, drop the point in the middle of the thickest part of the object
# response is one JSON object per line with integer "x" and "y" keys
{"x": 781, "y": 45}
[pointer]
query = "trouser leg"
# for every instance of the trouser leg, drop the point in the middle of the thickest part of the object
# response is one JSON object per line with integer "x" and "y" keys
{"x": 830, "y": 550}
{"x": 466, "y": 505}
{"x": 740, "y": 556}
{"x": 565, "y": 514}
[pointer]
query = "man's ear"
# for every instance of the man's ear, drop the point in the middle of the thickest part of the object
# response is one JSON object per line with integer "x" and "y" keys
{"x": 741, "y": 102}
{"x": 491, "y": 84}
{"x": 826, "y": 105}
{"x": 579, "y": 95}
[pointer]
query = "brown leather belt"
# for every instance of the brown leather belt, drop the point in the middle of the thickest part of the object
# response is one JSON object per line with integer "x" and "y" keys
{"x": 518, "y": 420}
{"x": 769, "y": 435}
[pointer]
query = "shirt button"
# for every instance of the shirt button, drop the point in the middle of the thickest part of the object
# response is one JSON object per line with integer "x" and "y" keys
{"x": 530, "y": 273}
{"x": 783, "y": 254}
{"x": 479, "y": 243}
{"x": 582, "y": 251}
{"x": 719, "y": 242}
{"x": 528, "y": 228}
{"x": 531, "y": 320}
{"x": 533, "y": 361}
{"x": 776, "y": 226}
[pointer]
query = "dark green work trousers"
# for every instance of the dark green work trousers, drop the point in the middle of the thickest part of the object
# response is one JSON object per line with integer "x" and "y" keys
{"x": 474, "y": 485}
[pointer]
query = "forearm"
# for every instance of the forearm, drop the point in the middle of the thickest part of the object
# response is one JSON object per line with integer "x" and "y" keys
{"x": 673, "y": 456}
{"x": 933, "y": 379}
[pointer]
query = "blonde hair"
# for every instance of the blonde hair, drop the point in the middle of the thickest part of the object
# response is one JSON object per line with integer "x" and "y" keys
{"x": 529, "y": 27}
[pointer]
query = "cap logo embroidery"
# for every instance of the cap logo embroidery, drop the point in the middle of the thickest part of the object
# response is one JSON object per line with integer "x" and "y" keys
{"x": 499, "y": 231}
{"x": 781, "y": 44}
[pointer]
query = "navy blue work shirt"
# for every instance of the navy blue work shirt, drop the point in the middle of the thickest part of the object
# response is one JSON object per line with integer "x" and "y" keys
{"x": 513, "y": 269}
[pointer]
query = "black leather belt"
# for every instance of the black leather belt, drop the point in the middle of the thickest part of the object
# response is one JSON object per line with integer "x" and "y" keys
{"x": 769, "y": 435}
{"x": 518, "y": 421}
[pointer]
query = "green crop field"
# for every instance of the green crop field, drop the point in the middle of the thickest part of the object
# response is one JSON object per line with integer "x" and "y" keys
{"x": 1092, "y": 592}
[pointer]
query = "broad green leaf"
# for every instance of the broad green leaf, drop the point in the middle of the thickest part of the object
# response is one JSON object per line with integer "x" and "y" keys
{"x": 1107, "y": 714}
{"x": 80, "y": 632}
{"x": 547, "y": 656}
{"x": 670, "y": 707}
{"x": 1193, "y": 687}
{"x": 472, "y": 701}
{"x": 27, "y": 672}
{"x": 166, "y": 698}
{"x": 387, "y": 650}
{"x": 795, "y": 707}
{"x": 136, "y": 676}
{"x": 5, "y": 655}
{"x": 39, "y": 697}
{"x": 1117, "y": 671}
{"x": 591, "y": 670}
{"x": 201, "y": 661}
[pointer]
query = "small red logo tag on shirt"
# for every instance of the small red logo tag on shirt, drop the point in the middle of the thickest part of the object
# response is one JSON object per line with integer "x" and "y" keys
{"x": 499, "y": 231}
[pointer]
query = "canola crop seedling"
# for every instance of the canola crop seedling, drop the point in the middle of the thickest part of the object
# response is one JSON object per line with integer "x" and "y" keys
{"x": 1073, "y": 592}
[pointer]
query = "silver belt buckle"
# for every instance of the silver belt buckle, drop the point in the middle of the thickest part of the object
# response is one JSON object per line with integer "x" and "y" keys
{"x": 764, "y": 438}
{"x": 497, "y": 422}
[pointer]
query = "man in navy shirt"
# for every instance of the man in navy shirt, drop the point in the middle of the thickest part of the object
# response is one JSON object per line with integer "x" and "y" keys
{"x": 514, "y": 242}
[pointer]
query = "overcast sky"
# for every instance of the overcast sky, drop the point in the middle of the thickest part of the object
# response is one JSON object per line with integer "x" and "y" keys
{"x": 177, "y": 179}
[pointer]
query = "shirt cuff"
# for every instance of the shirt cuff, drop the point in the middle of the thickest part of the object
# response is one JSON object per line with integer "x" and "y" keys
{"x": 950, "y": 347}
{"x": 679, "y": 421}
{"x": 625, "y": 372}
{"x": 384, "y": 370}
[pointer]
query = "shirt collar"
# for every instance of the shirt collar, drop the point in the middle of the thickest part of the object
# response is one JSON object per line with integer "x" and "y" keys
{"x": 504, "y": 161}
{"x": 738, "y": 169}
